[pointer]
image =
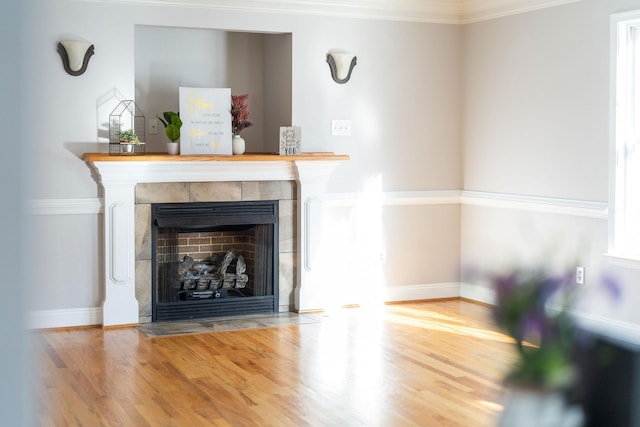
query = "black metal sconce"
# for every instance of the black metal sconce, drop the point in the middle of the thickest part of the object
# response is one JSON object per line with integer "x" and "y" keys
{"x": 341, "y": 65}
{"x": 75, "y": 55}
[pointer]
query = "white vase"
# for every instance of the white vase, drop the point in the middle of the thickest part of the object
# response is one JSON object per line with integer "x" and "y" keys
{"x": 237, "y": 144}
{"x": 173, "y": 148}
{"x": 539, "y": 408}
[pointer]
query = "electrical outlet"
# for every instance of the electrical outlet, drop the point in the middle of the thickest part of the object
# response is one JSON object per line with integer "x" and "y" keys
{"x": 580, "y": 275}
{"x": 341, "y": 127}
{"x": 153, "y": 126}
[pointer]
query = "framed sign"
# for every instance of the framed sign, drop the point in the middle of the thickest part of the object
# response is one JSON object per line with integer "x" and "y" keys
{"x": 290, "y": 140}
{"x": 206, "y": 121}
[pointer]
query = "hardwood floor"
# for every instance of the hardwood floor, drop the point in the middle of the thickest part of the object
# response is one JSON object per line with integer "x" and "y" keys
{"x": 412, "y": 364}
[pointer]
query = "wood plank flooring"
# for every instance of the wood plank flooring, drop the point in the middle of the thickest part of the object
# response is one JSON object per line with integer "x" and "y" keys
{"x": 412, "y": 364}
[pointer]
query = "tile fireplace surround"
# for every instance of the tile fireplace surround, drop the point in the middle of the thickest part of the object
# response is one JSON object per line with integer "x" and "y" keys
{"x": 119, "y": 176}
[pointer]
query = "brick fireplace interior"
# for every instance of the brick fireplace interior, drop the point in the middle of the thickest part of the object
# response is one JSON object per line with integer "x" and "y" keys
{"x": 214, "y": 259}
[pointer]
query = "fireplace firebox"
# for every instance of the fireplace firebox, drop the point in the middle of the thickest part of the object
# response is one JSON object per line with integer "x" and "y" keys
{"x": 214, "y": 259}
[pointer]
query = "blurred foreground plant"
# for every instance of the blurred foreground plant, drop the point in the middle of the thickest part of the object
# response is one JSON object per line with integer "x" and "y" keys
{"x": 533, "y": 306}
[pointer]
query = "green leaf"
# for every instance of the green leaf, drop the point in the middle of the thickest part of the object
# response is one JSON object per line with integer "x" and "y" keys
{"x": 173, "y": 132}
{"x": 163, "y": 122}
{"x": 175, "y": 120}
{"x": 167, "y": 115}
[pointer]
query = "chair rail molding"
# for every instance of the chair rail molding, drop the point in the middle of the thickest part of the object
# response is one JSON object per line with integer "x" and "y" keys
{"x": 571, "y": 207}
{"x": 79, "y": 206}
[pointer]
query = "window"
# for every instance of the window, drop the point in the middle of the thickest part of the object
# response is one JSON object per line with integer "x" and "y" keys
{"x": 624, "y": 207}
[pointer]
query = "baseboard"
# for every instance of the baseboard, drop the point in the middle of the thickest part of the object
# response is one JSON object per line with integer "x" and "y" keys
{"x": 477, "y": 293}
{"x": 421, "y": 292}
{"x": 67, "y": 318}
{"x": 75, "y": 317}
{"x": 46, "y": 319}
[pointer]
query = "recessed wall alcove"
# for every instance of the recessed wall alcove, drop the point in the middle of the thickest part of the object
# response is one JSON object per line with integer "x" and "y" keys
{"x": 247, "y": 62}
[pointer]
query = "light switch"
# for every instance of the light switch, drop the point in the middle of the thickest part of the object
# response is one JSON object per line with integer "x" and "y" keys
{"x": 341, "y": 127}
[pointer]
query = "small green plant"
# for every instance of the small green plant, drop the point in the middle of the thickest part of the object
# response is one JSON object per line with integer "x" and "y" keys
{"x": 128, "y": 137}
{"x": 172, "y": 125}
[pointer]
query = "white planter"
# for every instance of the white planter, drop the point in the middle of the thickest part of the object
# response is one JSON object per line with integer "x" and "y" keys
{"x": 173, "y": 148}
{"x": 237, "y": 145}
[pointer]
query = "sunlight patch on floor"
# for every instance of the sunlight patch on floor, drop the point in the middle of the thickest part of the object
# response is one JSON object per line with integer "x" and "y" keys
{"x": 468, "y": 331}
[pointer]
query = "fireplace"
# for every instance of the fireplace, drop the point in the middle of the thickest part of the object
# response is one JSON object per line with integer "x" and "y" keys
{"x": 213, "y": 259}
{"x": 125, "y": 270}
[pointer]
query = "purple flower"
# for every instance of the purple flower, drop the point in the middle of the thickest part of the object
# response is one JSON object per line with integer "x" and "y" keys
{"x": 533, "y": 307}
{"x": 612, "y": 286}
{"x": 533, "y": 328}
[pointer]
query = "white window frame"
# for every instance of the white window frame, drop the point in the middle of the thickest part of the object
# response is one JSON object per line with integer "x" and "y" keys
{"x": 624, "y": 147}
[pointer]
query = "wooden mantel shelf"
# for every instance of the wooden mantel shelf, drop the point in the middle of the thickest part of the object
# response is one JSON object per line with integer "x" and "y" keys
{"x": 248, "y": 157}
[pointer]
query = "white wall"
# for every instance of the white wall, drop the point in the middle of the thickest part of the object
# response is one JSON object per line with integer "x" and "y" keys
{"x": 403, "y": 101}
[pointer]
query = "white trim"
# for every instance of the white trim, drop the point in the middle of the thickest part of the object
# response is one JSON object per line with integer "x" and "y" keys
{"x": 396, "y": 198}
{"x": 404, "y": 198}
{"x": 421, "y": 292}
{"x": 87, "y": 206}
{"x": 434, "y": 11}
{"x": 66, "y": 318}
{"x": 123, "y": 173}
{"x": 76, "y": 317}
{"x": 613, "y": 85}
{"x": 572, "y": 207}
{"x": 622, "y": 260}
{"x": 477, "y": 293}
{"x": 622, "y": 249}
{"x": 482, "y": 10}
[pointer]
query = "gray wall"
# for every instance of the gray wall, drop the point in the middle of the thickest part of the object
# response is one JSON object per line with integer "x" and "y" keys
{"x": 515, "y": 105}
{"x": 404, "y": 111}
{"x": 536, "y": 123}
{"x": 14, "y": 352}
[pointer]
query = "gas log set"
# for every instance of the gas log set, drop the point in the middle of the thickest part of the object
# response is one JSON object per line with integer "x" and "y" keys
{"x": 201, "y": 279}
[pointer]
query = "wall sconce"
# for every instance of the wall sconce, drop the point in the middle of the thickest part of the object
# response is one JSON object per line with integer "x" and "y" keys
{"x": 341, "y": 65}
{"x": 75, "y": 55}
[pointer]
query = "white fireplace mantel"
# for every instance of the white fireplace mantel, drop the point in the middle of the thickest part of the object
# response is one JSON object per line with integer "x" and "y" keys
{"x": 119, "y": 175}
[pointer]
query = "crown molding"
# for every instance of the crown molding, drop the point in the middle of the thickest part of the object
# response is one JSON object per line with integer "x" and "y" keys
{"x": 433, "y": 11}
{"x": 482, "y": 10}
